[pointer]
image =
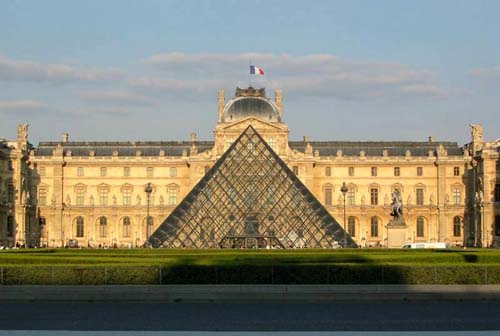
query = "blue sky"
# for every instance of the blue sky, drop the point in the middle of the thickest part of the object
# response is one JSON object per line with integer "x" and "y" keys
{"x": 150, "y": 70}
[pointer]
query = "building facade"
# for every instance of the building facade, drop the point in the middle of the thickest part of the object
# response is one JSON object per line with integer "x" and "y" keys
{"x": 95, "y": 192}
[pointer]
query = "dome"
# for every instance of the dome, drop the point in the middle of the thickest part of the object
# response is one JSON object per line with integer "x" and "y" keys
{"x": 250, "y": 103}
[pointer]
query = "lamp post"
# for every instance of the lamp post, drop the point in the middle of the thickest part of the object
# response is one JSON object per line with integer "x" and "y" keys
{"x": 148, "y": 190}
{"x": 344, "y": 189}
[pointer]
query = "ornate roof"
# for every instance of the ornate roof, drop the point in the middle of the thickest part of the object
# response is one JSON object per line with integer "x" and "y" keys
{"x": 250, "y": 102}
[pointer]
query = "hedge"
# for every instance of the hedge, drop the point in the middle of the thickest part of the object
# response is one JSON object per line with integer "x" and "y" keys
{"x": 232, "y": 274}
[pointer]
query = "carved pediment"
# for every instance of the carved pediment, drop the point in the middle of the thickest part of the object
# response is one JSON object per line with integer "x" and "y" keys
{"x": 256, "y": 123}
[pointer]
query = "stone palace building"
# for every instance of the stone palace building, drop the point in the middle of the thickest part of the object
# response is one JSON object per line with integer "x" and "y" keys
{"x": 250, "y": 187}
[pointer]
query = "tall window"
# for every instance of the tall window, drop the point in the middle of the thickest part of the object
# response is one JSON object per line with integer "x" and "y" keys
{"x": 497, "y": 226}
{"x": 127, "y": 196}
{"x": 79, "y": 227}
{"x": 420, "y": 171}
{"x": 351, "y": 171}
{"x": 374, "y": 171}
{"x": 10, "y": 226}
{"x": 42, "y": 171}
{"x": 104, "y": 171}
{"x": 374, "y": 196}
{"x": 328, "y": 171}
{"x": 457, "y": 196}
{"x": 397, "y": 171}
{"x": 172, "y": 196}
{"x": 103, "y": 227}
{"x": 328, "y": 195}
{"x": 374, "y": 227}
{"x": 103, "y": 196}
{"x": 149, "y": 171}
{"x": 351, "y": 196}
{"x": 42, "y": 196}
{"x": 420, "y": 227}
{"x": 126, "y": 171}
{"x": 173, "y": 171}
{"x": 11, "y": 195}
{"x": 456, "y": 171}
{"x": 80, "y": 195}
{"x": 420, "y": 196}
{"x": 497, "y": 192}
{"x": 351, "y": 226}
{"x": 126, "y": 227}
{"x": 79, "y": 171}
{"x": 295, "y": 170}
{"x": 457, "y": 226}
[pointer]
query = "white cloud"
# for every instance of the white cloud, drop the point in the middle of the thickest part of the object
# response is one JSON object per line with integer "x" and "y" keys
{"x": 23, "y": 106}
{"x": 115, "y": 97}
{"x": 311, "y": 75}
{"x": 492, "y": 73}
{"x": 17, "y": 70}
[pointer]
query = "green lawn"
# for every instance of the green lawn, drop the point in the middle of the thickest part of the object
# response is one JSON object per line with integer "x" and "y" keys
{"x": 167, "y": 257}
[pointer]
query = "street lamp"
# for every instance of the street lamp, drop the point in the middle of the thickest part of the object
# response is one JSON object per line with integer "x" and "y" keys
{"x": 148, "y": 190}
{"x": 344, "y": 189}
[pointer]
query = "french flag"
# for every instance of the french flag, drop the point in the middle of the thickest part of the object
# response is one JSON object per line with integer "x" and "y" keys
{"x": 256, "y": 71}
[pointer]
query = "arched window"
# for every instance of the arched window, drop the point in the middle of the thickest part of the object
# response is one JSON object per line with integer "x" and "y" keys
{"x": 457, "y": 226}
{"x": 80, "y": 228}
{"x": 374, "y": 227}
{"x": 10, "y": 226}
{"x": 497, "y": 225}
{"x": 126, "y": 227}
{"x": 351, "y": 226}
{"x": 420, "y": 226}
{"x": 149, "y": 226}
{"x": 103, "y": 227}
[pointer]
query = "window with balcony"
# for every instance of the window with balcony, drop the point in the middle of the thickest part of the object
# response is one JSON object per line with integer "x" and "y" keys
{"x": 457, "y": 196}
{"x": 374, "y": 196}
{"x": 42, "y": 197}
{"x": 127, "y": 196}
{"x": 80, "y": 196}
{"x": 420, "y": 196}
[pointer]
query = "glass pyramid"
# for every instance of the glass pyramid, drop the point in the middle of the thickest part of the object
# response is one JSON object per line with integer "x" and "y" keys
{"x": 249, "y": 199}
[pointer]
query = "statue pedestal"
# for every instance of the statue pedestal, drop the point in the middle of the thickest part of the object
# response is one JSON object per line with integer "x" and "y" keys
{"x": 396, "y": 233}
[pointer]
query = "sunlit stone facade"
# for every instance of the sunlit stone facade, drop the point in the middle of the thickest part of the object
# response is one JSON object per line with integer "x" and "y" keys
{"x": 94, "y": 192}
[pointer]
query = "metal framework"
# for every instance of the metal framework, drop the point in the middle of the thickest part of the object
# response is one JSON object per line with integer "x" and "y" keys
{"x": 249, "y": 199}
